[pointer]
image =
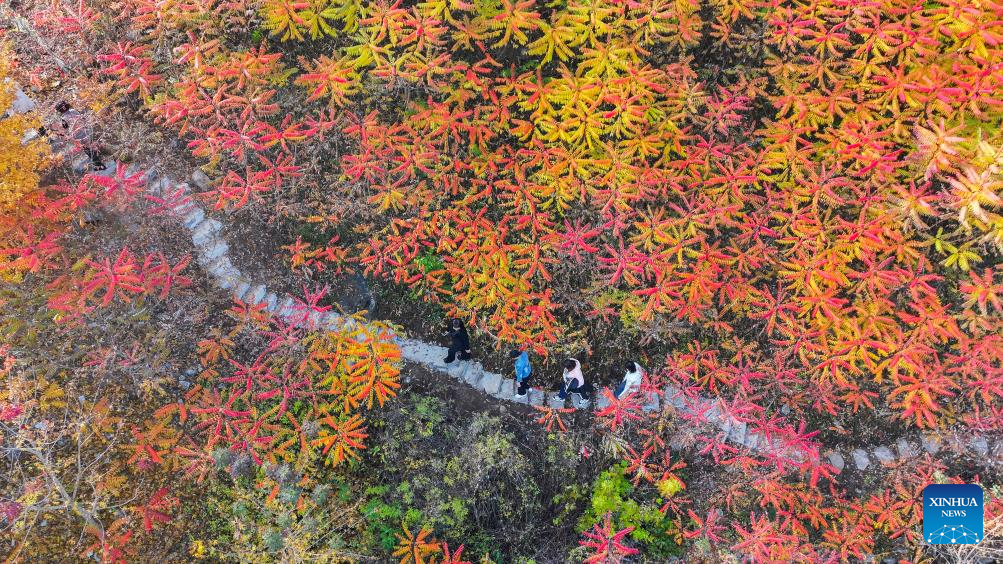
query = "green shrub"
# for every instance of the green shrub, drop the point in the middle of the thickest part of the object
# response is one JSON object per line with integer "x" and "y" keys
{"x": 611, "y": 493}
{"x": 383, "y": 520}
{"x": 429, "y": 261}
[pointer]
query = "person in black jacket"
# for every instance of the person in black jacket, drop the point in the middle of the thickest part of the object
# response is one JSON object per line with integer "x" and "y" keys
{"x": 459, "y": 342}
{"x": 76, "y": 130}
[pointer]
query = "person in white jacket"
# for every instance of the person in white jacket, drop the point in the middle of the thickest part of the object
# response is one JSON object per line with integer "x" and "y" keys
{"x": 631, "y": 380}
{"x": 574, "y": 381}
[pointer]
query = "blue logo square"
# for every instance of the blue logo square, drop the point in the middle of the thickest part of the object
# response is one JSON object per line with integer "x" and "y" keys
{"x": 952, "y": 513}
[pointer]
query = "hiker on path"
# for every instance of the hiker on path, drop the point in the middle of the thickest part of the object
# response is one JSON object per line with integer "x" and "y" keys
{"x": 574, "y": 381}
{"x": 631, "y": 380}
{"x": 523, "y": 370}
{"x": 78, "y": 132}
{"x": 459, "y": 342}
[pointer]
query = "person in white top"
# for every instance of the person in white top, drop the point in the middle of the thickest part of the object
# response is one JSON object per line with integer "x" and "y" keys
{"x": 574, "y": 381}
{"x": 631, "y": 380}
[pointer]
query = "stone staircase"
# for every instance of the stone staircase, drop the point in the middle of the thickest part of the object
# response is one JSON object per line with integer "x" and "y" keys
{"x": 213, "y": 255}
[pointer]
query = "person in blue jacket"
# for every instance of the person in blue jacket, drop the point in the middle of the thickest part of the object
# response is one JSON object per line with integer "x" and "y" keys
{"x": 523, "y": 370}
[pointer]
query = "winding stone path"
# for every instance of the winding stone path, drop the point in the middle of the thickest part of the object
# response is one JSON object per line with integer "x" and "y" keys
{"x": 213, "y": 255}
{"x": 212, "y": 251}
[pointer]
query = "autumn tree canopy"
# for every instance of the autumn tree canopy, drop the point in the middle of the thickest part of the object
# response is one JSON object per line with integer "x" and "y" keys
{"x": 793, "y": 210}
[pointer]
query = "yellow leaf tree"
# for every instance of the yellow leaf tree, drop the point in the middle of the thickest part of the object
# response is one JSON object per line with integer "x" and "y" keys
{"x": 20, "y": 161}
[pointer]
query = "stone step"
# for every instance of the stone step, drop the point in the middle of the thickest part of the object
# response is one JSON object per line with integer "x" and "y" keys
{"x": 457, "y": 369}
{"x": 192, "y": 217}
{"x": 979, "y": 446}
{"x": 315, "y": 319}
{"x": 271, "y": 302}
{"x": 536, "y": 397}
{"x": 256, "y": 294}
{"x": 416, "y": 355}
{"x": 286, "y": 306}
{"x": 153, "y": 174}
{"x": 183, "y": 208}
{"x": 225, "y": 273}
{"x": 160, "y": 185}
{"x": 860, "y": 459}
{"x": 507, "y": 389}
{"x": 931, "y": 443}
{"x": 737, "y": 431}
{"x": 221, "y": 267}
{"x": 22, "y": 103}
{"x": 713, "y": 415}
{"x": 956, "y": 442}
{"x": 213, "y": 251}
{"x": 435, "y": 363}
{"x": 491, "y": 382}
{"x": 654, "y": 404}
{"x": 79, "y": 163}
{"x": 200, "y": 179}
{"x": 554, "y": 402}
{"x": 423, "y": 353}
{"x": 241, "y": 290}
{"x": 906, "y": 449}
{"x": 727, "y": 426}
{"x": 231, "y": 282}
{"x": 474, "y": 375}
{"x": 836, "y": 460}
{"x": 884, "y": 455}
{"x": 673, "y": 396}
{"x": 327, "y": 320}
{"x": 205, "y": 231}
